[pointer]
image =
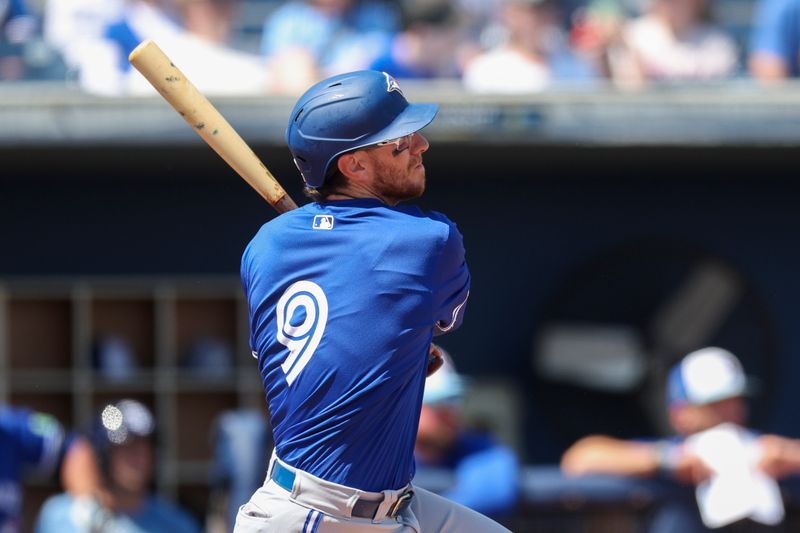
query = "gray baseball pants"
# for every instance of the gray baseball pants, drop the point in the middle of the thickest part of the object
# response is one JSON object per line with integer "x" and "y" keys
{"x": 317, "y": 506}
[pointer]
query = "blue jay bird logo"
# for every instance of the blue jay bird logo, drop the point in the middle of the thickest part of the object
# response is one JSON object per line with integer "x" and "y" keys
{"x": 391, "y": 84}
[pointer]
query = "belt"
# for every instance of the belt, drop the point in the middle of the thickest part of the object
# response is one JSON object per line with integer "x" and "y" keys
{"x": 284, "y": 477}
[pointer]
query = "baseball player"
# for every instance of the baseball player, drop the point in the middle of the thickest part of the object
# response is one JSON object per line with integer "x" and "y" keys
{"x": 122, "y": 437}
{"x": 706, "y": 399}
{"x": 345, "y": 295}
{"x": 462, "y": 463}
{"x": 35, "y": 440}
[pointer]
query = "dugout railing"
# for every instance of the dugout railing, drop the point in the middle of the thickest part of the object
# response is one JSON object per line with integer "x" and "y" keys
{"x": 553, "y": 503}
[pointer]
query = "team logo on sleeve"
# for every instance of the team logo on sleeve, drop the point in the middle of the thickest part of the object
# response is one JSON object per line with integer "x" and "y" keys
{"x": 391, "y": 84}
{"x": 323, "y": 222}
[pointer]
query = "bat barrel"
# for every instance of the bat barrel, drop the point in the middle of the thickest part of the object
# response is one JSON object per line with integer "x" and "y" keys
{"x": 207, "y": 122}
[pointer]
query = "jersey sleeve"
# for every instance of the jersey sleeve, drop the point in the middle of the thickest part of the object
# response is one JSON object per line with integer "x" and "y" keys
{"x": 451, "y": 280}
{"x": 39, "y": 438}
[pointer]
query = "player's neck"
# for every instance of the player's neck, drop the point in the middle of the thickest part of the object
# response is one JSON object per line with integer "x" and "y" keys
{"x": 355, "y": 191}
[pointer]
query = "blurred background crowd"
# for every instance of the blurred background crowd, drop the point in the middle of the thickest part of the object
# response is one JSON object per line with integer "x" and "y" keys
{"x": 497, "y": 46}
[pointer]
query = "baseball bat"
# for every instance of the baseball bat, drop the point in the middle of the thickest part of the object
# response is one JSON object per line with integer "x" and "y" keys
{"x": 204, "y": 119}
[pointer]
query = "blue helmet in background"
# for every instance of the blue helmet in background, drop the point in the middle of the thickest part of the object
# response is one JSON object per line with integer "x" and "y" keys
{"x": 347, "y": 112}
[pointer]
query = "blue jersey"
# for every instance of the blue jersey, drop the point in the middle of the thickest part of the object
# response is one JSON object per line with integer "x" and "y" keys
{"x": 344, "y": 299}
{"x": 27, "y": 440}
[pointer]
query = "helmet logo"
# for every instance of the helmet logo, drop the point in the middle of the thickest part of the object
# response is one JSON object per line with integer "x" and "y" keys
{"x": 391, "y": 84}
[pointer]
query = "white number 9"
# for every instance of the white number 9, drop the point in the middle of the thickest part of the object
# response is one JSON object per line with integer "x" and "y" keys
{"x": 302, "y": 339}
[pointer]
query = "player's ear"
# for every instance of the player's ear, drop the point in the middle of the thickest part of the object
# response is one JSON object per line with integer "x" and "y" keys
{"x": 352, "y": 166}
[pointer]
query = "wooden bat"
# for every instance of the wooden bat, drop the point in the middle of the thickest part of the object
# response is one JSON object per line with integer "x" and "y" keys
{"x": 204, "y": 118}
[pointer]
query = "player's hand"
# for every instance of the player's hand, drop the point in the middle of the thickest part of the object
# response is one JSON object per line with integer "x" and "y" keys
{"x": 780, "y": 456}
{"x": 435, "y": 360}
{"x": 691, "y": 469}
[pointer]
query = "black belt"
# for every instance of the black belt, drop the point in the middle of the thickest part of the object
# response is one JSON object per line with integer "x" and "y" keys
{"x": 284, "y": 477}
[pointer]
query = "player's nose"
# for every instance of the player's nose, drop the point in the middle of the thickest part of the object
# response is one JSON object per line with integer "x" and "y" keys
{"x": 419, "y": 143}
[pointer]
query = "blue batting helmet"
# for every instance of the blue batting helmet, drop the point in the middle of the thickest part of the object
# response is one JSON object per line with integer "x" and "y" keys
{"x": 347, "y": 112}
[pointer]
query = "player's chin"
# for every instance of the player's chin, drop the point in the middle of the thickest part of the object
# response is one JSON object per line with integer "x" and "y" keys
{"x": 411, "y": 190}
{"x": 417, "y": 186}
{"x": 417, "y": 175}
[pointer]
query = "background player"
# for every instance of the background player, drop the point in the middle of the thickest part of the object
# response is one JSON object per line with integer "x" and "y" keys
{"x": 484, "y": 472}
{"x": 123, "y": 439}
{"x": 345, "y": 296}
{"x": 705, "y": 389}
{"x": 36, "y": 440}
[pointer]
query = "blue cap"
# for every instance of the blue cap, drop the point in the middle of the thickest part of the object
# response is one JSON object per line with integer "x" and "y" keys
{"x": 347, "y": 112}
{"x": 705, "y": 376}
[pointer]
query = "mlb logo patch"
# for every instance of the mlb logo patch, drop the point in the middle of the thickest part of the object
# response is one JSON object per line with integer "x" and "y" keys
{"x": 323, "y": 222}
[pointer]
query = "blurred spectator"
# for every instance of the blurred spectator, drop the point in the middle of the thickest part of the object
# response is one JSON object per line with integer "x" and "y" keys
{"x": 194, "y": 37}
{"x": 102, "y": 65}
{"x": 482, "y": 26}
{"x": 597, "y": 34}
{"x": 427, "y": 46}
{"x": 123, "y": 440}
{"x": 485, "y": 474}
{"x": 210, "y": 20}
{"x": 308, "y": 40}
{"x": 37, "y": 441}
{"x": 672, "y": 41}
{"x": 705, "y": 391}
{"x": 775, "y": 46}
{"x": 16, "y": 22}
{"x": 17, "y": 27}
{"x": 532, "y": 56}
{"x": 73, "y": 27}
